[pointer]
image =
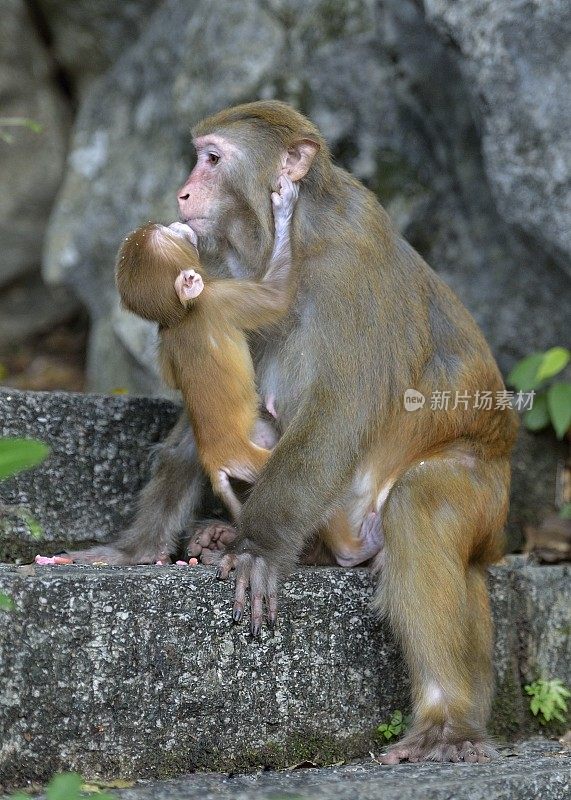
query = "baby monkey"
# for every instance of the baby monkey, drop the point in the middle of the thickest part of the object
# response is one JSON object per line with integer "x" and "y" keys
{"x": 204, "y": 352}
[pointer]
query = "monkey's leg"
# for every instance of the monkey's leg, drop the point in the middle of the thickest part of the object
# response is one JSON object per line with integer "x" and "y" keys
{"x": 211, "y": 537}
{"x": 351, "y": 549}
{"x": 164, "y": 509}
{"x": 442, "y": 522}
{"x": 222, "y": 487}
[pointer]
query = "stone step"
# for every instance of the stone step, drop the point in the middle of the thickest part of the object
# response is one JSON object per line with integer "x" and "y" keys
{"x": 85, "y": 491}
{"x": 527, "y": 771}
{"x": 114, "y": 671}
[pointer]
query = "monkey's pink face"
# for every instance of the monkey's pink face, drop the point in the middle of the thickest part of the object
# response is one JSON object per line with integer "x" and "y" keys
{"x": 203, "y": 200}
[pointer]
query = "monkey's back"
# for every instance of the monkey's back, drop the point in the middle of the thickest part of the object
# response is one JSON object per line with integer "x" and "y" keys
{"x": 207, "y": 358}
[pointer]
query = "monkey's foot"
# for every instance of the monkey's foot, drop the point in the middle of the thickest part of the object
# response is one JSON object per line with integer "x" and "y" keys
{"x": 414, "y": 749}
{"x": 210, "y": 540}
{"x": 255, "y": 573}
{"x": 370, "y": 542}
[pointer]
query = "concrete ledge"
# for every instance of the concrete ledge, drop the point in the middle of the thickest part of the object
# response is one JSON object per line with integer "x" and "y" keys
{"x": 139, "y": 672}
{"x": 84, "y": 491}
{"x": 528, "y": 771}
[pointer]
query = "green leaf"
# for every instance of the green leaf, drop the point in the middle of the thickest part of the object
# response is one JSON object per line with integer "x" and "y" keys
{"x": 537, "y": 417}
{"x": 524, "y": 375}
{"x": 554, "y": 361}
{"x": 66, "y": 786}
{"x": 559, "y": 405}
{"x": 17, "y": 455}
{"x": 388, "y": 734}
{"x": 6, "y": 602}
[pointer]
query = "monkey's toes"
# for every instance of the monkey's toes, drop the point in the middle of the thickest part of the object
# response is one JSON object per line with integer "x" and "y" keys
{"x": 478, "y": 753}
{"x": 209, "y": 539}
{"x": 255, "y": 573}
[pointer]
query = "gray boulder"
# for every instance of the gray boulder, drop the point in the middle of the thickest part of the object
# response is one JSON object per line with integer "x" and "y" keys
{"x": 87, "y": 37}
{"x": 31, "y": 166}
{"x": 394, "y": 106}
{"x": 516, "y": 60}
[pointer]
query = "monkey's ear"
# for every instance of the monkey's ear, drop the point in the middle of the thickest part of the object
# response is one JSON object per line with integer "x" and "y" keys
{"x": 299, "y": 158}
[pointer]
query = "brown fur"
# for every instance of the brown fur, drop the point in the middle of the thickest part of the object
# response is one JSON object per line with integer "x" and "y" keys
{"x": 203, "y": 347}
{"x": 204, "y": 353}
{"x": 369, "y": 320}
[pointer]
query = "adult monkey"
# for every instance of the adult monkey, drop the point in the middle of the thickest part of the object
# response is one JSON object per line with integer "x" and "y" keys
{"x": 370, "y": 321}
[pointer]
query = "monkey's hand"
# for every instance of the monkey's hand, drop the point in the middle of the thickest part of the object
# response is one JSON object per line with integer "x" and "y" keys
{"x": 184, "y": 231}
{"x": 284, "y": 200}
{"x": 262, "y": 579}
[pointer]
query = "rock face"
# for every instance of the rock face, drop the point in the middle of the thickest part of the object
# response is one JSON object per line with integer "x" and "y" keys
{"x": 31, "y": 165}
{"x": 140, "y": 672}
{"x": 516, "y": 60}
{"x": 455, "y": 114}
{"x": 86, "y": 40}
{"x": 396, "y": 105}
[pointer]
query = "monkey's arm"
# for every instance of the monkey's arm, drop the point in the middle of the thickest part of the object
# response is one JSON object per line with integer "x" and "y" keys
{"x": 283, "y": 204}
{"x": 250, "y": 305}
{"x": 254, "y": 305}
{"x": 302, "y": 480}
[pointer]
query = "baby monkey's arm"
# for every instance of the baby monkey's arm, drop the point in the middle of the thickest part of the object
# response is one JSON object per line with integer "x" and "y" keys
{"x": 254, "y": 304}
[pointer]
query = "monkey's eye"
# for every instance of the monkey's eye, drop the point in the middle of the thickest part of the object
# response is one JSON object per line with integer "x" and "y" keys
{"x": 213, "y": 158}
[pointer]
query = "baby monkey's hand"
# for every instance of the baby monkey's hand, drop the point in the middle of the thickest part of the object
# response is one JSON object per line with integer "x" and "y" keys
{"x": 184, "y": 231}
{"x": 284, "y": 200}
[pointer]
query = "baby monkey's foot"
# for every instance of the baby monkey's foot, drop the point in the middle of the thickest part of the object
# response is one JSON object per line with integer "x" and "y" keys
{"x": 210, "y": 540}
{"x": 184, "y": 231}
{"x": 188, "y": 285}
{"x": 284, "y": 200}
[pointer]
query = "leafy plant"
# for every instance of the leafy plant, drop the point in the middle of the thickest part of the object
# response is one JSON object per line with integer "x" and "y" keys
{"x": 548, "y": 700}
{"x": 17, "y": 455}
{"x": 66, "y": 786}
{"x": 17, "y": 122}
{"x": 396, "y": 726}
{"x": 552, "y": 401}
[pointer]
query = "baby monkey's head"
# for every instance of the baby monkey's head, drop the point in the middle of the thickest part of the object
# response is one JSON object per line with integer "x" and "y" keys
{"x": 156, "y": 272}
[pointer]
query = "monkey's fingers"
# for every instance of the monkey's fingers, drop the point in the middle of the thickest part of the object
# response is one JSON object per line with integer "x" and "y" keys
{"x": 225, "y": 567}
{"x": 184, "y": 231}
{"x": 242, "y": 583}
{"x": 289, "y": 190}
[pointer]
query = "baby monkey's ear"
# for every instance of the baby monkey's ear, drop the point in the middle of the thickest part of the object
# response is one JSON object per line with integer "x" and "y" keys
{"x": 188, "y": 285}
